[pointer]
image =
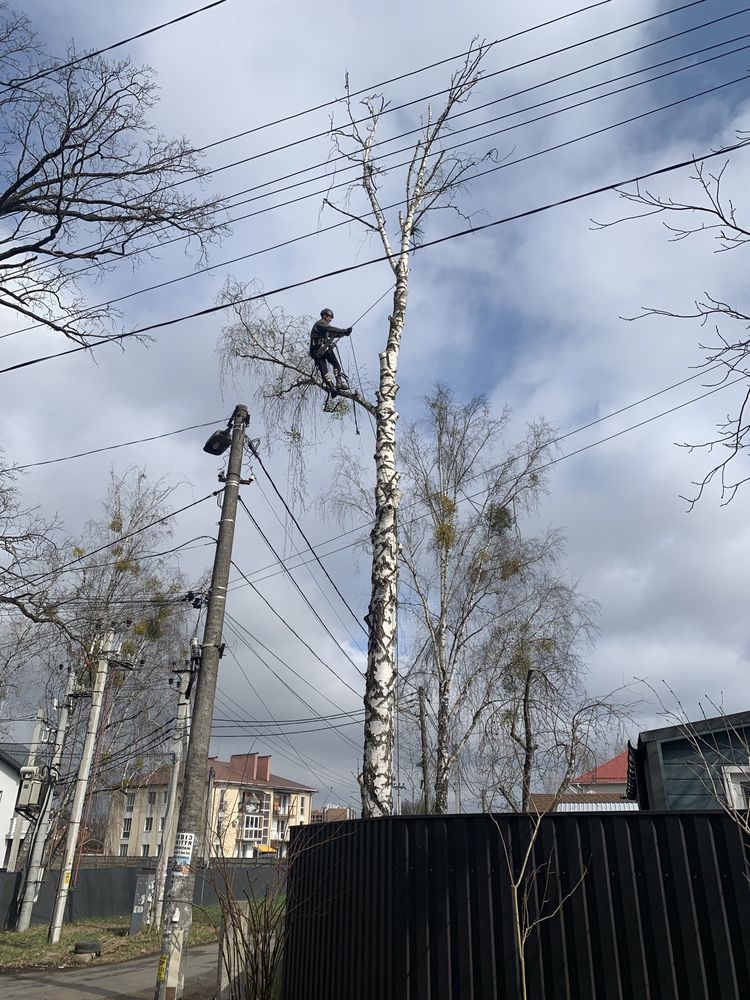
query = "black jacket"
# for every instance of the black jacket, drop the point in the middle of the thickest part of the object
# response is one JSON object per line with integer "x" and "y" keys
{"x": 320, "y": 333}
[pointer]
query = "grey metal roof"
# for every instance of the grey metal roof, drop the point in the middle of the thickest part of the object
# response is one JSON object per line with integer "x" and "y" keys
{"x": 583, "y": 806}
{"x": 14, "y": 755}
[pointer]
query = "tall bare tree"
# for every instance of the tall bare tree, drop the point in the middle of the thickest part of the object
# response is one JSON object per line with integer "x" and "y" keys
{"x": 462, "y": 551}
{"x": 713, "y": 213}
{"x": 83, "y": 176}
{"x": 272, "y": 347}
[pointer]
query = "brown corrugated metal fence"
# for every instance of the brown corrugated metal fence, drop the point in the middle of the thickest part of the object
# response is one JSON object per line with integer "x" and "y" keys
{"x": 635, "y": 906}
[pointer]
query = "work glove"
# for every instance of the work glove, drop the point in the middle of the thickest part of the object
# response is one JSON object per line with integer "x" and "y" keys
{"x": 348, "y": 331}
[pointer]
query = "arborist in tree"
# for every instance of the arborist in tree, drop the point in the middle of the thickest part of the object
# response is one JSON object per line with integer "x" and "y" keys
{"x": 322, "y": 339}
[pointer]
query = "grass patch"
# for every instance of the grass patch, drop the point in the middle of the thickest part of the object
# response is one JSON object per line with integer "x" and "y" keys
{"x": 30, "y": 949}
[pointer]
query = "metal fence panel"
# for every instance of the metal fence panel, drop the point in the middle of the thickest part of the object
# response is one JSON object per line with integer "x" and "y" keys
{"x": 631, "y": 905}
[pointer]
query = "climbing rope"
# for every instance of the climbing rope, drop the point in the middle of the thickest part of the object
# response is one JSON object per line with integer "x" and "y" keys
{"x": 354, "y": 359}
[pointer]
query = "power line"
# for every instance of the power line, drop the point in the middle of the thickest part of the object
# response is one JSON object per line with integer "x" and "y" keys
{"x": 469, "y": 231}
{"x": 299, "y": 528}
{"x": 506, "y": 97}
{"x": 343, "y": 98}
{"x": 122, "y": 444}
{"x": 410, "y": 73}
{"x": 299, "y": 638}
{"x": 506, "y": 69}
{"x": 245, "y": 636}
{"x": 36, "y": 577}
{"x": 275, "y": 722}
{"x": 555, "y": 461}
{"x": 221, "y": 731}
{"x": 302, "y": 594}
{"x": 237, "y": 629}
{"x": 59, "y": 67}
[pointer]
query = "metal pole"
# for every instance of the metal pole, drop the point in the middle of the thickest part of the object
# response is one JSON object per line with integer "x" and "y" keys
{"x": 19, "y": 820}
{"x": 424, "y": 758}
{"x": 35, "y": 870}
{"x": 178, "y": 900}
{"x": 82, "y": 780}
{"x": 173, "y": 803}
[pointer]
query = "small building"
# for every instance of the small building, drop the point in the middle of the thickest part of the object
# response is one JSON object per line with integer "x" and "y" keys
{"x": 601, "y": 789}
{"x": 696, "y": 765}
{"x": 13, "y": 757}
{"x": 610, "y": 778}
{"x": 250, "y": 810}
{"x": 332, "y": 814}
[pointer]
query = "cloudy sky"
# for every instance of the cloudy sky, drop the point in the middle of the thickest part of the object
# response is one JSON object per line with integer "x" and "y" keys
{"x": 528, "y": 312}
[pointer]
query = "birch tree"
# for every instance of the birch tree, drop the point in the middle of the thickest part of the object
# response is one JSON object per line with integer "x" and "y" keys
{"x": 272, "y": 347}
{"x": 461, "y": 551}
{"x": 545, "y": 726}
{"x": 83, "y": 177}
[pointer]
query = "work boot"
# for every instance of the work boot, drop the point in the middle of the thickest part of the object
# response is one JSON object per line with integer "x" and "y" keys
{"x": 331, "y": 388}
{"x": 341, "y": 381}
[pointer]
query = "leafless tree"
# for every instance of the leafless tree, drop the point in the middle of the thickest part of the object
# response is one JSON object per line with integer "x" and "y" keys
{"x": 461, "y": 551}
{"x": 714, "y": 213}
{"x": 272, "y": 347}
{"x": 83, "y": 176}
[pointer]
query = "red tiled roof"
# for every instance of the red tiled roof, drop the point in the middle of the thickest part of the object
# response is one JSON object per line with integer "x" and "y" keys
{"x": 225, "y": 774}
{"x": 615, "y": 771}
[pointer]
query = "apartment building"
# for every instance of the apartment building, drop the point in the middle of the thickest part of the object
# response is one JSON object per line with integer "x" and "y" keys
{"x": 250, "y": 810}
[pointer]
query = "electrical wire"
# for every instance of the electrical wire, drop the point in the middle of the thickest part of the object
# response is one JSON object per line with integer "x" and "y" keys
{"x": 361, "y": 527}
{"x": 190, "y": 275}
{"x": 59, "y": 67}
{"x": 35, "y": 578}
{"x": 310, "y": 606}
{"x": 114, "y": 447}
{"x": 468, "y": 231}
{"x": 245, "y": 636}
{"x": 299, "y": 528}
{"x": 282, "y": 524}
{"x": 305, "y": 762}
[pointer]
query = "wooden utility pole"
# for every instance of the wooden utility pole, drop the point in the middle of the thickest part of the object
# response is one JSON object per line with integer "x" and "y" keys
{"x": 106, "y": 649}
{"x": 178, "y": 900}
{"x": 35, "y": 870}
{"x": 179, "y": 745}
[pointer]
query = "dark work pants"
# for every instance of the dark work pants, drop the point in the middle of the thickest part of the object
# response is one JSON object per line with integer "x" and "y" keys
{"x": 328, "y": 358}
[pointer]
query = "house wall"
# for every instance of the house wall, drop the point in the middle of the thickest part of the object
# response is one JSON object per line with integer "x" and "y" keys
{"x": 681, "y": 777}
{"x": 9, "y": 780}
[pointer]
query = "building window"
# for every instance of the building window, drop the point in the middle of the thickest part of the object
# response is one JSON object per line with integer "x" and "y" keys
{"x": 126, "y": 828}
{"x": 148, "y": 825}
{"x": 123, "y": 850}
{"x": 130, "y": 802}
{"x": 144, "y": 851}
{"x": 161, "y": 823}
{"x": 253, "y": 825}
{"x": 164, "y": 797}
{"x": 737, "y": 787}
{"x": 151, "y": 798}
{"x": 302, "y": 805}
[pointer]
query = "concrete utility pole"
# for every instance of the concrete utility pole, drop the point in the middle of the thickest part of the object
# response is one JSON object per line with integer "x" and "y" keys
{"x": 179, "y": 746}
{"x": 106, "y": 649}
{"x": 178, "y": 901}
{"x": 19, "y": 820}
{"x": 424, "y": 753}
{"x": 35, "y": 870}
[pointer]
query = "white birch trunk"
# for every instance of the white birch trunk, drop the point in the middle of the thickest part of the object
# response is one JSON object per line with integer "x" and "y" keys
{"x": 382, "y": 615}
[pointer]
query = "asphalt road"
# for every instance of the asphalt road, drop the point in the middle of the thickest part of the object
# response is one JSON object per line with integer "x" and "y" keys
{"x": 127, "y": 981}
